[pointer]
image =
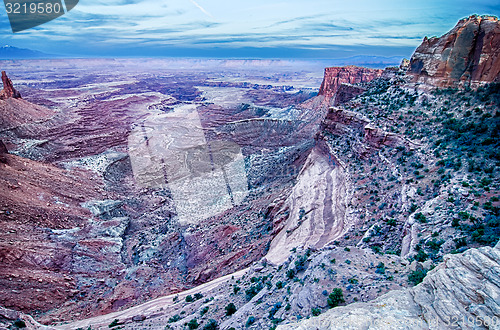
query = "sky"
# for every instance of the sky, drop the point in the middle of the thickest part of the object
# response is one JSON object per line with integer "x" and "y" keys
{"x": 318, "y": 29}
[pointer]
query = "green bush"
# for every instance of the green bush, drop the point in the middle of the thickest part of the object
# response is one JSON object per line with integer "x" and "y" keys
{"x": 274, "y": 309}
{"x": 192, "y": 324}
{"x": 230, "y": 309}
{"x": 253, "y": 290}
{"x": 380, "y": 268}
{"x": 250, "y": 321}
{"x": 211, "y": 325}
{"x": 335, "y": 298}
{"x": 204, "y": 310}
{"x": 174, "y": 318}
{"x": 417, "y": 276}
{"x": 421, "y": 256}
{"x": 20, "y": 323}
{"x": 113, "y": 324}
{"x": 315, "y": 311}
{"x": 420, "y": 217}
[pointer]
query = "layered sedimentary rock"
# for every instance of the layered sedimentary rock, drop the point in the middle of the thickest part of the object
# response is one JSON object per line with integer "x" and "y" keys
{"x": 336, "y": 76}
{"x": 468, "y": 54}
{"x": 8, "y": 88}
{"x": 462, "y": 291}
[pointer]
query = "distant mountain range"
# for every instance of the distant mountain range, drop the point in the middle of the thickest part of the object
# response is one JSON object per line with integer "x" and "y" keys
{"x": 367, "y": 61}
{"x": 12, "y": 53}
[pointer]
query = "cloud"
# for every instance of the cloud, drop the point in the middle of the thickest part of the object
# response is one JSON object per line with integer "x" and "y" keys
{"x": 109, "y": 26}
{"x": 201, "y": 8}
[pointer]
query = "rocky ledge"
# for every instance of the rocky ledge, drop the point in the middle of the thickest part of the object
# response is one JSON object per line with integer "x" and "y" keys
{"x": 463, "y": 291}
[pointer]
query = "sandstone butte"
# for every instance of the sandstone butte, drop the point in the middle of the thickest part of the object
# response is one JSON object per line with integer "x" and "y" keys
{"x": 8, "y": 88}
{"x": 336, "y": 76}
{"x": 467, "y": 55}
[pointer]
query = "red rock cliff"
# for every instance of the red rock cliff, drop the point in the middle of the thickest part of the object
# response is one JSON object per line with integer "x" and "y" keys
{"x": 335, "y": 76}
{"x": 468, "y": 54}
{"x": 8, "y": 88}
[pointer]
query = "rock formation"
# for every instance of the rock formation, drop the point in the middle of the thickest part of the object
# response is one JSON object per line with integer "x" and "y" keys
{"x": 463, "y": 290}
{"x": 468, "y": 54}
{"x": 15, "y": 111}
{"x": 335, "y": 76}
{"x": 3, "y": 151}
{"x": 8, "y": 88}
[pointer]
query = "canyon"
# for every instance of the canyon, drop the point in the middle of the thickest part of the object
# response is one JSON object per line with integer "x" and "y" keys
{"x": 382, "y": 184}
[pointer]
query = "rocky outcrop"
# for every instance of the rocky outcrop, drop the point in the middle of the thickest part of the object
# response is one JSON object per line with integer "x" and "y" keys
{"x": 462, "y": 291}
{"x": 336, "y": 76}
{"x": 8, "y": 88}
{"x": 468, "y": 54}
{"x": 11, "y": 319}
{"x": 339, "y": 121}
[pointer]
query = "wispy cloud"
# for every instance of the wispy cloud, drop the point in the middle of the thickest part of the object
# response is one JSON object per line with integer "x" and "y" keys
{"x": 110, "y": 26}
{"x": 201, "y": 8}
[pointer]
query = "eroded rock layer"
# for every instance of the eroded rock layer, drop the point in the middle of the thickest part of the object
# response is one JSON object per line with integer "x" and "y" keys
{"x": 336, "y": 76}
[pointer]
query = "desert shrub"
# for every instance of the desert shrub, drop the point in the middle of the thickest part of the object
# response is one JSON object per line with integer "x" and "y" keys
{"x": 250, "y": 321}
{"x": 335, "y": 298}
{"x": 380, "y": 268}
{"x": 421, "y": 256}
{"x": 420, "y": 217}
{"x": 417, "y": 276}
{"x": 230, "y": 309}
{"x": 113, "y": 324}
{"x": 192, "y": 324}
{"x": 274, "y": 310}
{"x": 253, "y": 290}
{"x": 211, "y": 325}
{"x": 204, "y": 310}
{"x": 174, "y": 318}
{"x": 315, "y": 311}
{"x": 20, "y": 323}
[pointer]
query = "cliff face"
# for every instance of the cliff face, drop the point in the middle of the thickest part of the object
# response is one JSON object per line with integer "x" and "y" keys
{"x": 336, "y": 76}
{"x": 8, "y": 88}
{"x": 467, "y": 54}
